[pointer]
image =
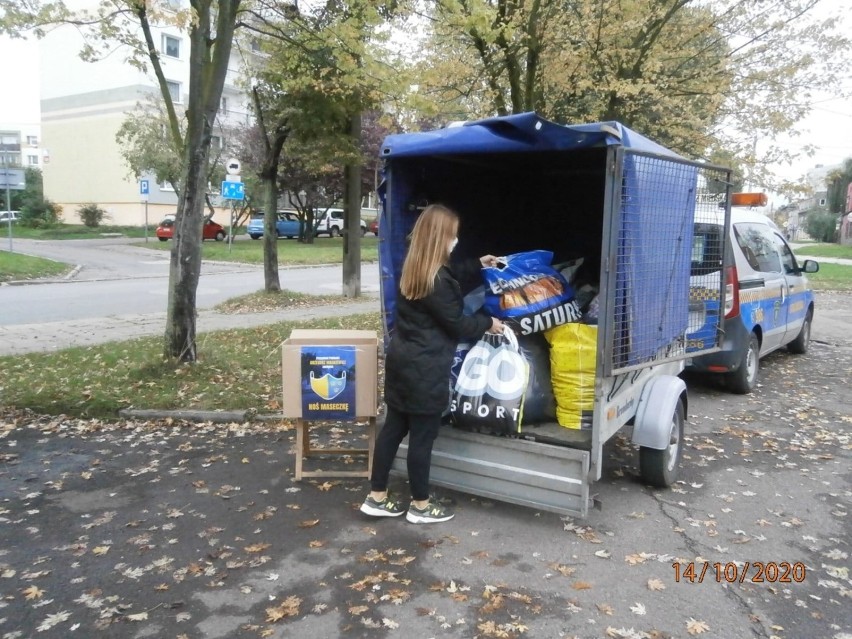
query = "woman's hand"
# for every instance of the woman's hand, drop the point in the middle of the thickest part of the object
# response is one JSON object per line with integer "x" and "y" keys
{"x": 488, "y": 260}
{"x": 496, "y": 326}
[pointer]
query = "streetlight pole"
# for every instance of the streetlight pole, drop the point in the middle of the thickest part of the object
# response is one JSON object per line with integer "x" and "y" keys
{"x": 8, "y": 200}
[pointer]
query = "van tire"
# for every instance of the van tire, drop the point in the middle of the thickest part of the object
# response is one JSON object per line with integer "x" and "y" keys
{"x": 744, "y": 380}
{"x": 334, "y": 232}
{"x": 799, "y": 346}
{"x": 660, "y": 467}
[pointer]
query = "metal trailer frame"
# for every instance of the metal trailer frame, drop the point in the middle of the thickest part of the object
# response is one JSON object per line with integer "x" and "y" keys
{"x": 553, "y": 468}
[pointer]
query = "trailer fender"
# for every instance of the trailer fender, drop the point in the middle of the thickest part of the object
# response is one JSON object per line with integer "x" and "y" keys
{"x": 653, "y": 421}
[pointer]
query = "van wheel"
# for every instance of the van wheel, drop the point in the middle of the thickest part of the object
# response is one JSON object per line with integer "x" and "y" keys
{"x": 660, "y": 467}
{"x": 799, "y": 346}
{"x": 744, "y": 379}
{"x": 334, "y": 231}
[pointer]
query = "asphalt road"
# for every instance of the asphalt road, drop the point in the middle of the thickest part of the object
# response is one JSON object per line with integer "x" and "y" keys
{"x": 116, "y": 278}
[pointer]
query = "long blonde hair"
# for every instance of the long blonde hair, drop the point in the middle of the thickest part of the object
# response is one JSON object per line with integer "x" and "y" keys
{"x": 430, "y": 249}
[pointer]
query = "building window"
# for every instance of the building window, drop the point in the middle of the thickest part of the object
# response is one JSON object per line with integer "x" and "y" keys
{"x": 32, "y": 160}
{"x": 171, "y": 46}
{"x": 174, "y": 90}
{"x": 225, "y": 104}
{"x": 255, "y": 45}
{"x": 32, "y": 140}
{"x": 215, "y": 142}
{"x": 822, "y": 201}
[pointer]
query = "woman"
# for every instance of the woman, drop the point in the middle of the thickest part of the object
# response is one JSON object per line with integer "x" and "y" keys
{"x": 429, "y": 323}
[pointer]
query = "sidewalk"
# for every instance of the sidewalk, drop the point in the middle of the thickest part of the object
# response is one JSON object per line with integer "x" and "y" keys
{"x": 53, "y": 336}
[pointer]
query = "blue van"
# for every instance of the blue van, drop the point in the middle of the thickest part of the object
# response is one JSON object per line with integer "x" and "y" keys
{"x": 768, "y": 303}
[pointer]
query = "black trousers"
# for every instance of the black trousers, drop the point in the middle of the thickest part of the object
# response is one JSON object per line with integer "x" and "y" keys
{"x": 422, "y": 431}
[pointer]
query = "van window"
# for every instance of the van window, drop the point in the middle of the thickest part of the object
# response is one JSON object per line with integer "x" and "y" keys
{"x": 788, "y": 261}
{"x": 337, "y": 215}
{"x": 706, "y": 249}
{"x": 758, "y": 245}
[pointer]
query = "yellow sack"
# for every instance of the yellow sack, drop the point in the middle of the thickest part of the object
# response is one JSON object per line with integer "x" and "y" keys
{"x": 573, "y": 349}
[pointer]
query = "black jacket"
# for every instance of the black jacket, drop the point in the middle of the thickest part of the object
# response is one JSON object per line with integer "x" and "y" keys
{"x": 423, "y": 343}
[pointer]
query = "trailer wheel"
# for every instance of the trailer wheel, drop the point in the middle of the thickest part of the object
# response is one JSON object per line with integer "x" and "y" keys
{"x": 660, "y": 467}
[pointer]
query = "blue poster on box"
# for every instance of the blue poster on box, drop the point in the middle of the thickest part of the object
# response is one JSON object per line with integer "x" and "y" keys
{"x": 328, "y": 382}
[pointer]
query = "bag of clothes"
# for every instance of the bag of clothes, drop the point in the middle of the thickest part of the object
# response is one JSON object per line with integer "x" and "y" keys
{"x": 527, "y": 293}
{"x": 490, "y": 387}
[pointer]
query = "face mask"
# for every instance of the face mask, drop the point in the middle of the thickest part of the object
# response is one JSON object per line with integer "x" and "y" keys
{"x": 453, "y": 244}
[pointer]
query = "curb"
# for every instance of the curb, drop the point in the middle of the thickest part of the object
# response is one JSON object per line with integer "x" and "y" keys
{"x": 213, "y": 416}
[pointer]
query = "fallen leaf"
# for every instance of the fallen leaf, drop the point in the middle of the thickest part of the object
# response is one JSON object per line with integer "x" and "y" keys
{"x": 100, "y": 550}
{"x": 656, "y": 585}
{"x": 33, "y": 592}
{"x": 316, "y": 543}
{"x": 139, "y": 616}
{"x": 259, "y": 547}
{"x": 637, "y": 608}
{"x": 581, "y": 585}
{"x": 308, "y": 523}
{"x": 605, "y": 609}
{"x": 603, "y": 554}
{"x": 695, "y": 627}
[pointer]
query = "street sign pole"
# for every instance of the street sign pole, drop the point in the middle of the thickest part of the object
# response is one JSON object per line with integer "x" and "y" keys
{"x": 231, "y": 232}
{"x": 144, "y": 190}
{"x": 9, "y": 213}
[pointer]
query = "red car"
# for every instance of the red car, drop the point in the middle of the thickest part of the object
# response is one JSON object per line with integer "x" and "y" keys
{"x": 212, "y": 230}
{"x": 374, "y": 227}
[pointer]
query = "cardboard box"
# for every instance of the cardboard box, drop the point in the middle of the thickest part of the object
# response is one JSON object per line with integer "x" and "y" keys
{"x": 357, "y": 366}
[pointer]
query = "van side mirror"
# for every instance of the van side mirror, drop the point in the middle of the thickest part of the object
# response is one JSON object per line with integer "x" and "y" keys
{"x": 809, "y": 266}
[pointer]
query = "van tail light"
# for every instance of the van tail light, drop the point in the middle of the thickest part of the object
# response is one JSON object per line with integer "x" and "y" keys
{"x": 732, "y": 293}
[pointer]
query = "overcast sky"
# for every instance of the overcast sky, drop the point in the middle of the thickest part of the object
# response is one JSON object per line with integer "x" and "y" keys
{"x": 828, "y": 128}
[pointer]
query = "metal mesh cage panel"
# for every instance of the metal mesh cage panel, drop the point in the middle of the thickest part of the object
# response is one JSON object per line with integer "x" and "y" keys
{"x": 668, "y": 265}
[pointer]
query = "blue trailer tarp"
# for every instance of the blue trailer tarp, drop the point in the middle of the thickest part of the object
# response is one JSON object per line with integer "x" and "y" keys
{"x": 657, "y": 309}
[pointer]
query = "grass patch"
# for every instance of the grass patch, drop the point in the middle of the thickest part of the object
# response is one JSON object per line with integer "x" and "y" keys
{"x": 79, "y": 232}
{"x": 832, "y": 277}
{"x": 263, "y": 301}
{"x": 825, "y": 250}
{"x": 237, "y": 370}
{"x": 15, "y": 266}
{"x": 324, "y": 250}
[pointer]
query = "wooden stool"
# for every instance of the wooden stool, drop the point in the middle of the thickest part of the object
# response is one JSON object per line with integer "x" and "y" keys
{"x": 303, "y": 449}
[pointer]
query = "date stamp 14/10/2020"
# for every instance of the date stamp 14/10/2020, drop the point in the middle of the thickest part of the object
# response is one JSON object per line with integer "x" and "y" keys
{"x": 735, "y": 572}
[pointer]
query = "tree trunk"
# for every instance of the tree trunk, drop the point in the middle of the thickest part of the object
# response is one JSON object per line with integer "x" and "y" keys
{"x": 208, "y": 64}
{"x": 352, "y": 218}
{"x": 269, "y": 190}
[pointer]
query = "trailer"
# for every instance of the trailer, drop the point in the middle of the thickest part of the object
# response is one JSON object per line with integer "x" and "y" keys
{"x": 601, "y": 192}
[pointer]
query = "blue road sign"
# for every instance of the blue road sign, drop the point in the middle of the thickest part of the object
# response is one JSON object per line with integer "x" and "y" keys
{"x": 143, "y": 187}
{"x": 233, "y": 190}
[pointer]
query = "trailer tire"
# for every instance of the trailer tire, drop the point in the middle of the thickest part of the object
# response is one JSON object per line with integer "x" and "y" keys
{"x": 660, "y": 467}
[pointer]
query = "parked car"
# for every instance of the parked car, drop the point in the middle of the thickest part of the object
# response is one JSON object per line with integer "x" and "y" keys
{"x": 212, "y": 230}
{"x": 7, "y": 216}
{"x": 331, "y": 223}
{"x": 374, "y": 227}
{"x": 287, "y": 225}
{"x": 768, "y": 303}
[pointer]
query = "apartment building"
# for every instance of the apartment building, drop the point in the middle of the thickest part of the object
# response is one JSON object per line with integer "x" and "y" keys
{"x": 20, "y": 145}
{"x": 84, "y": 104}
